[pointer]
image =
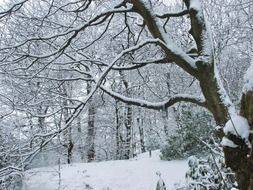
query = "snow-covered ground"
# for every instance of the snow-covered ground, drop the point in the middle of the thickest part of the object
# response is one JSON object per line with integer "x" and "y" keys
{"x": 135, "y": 174}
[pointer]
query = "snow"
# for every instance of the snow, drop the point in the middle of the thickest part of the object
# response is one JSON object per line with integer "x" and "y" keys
{"x": 248, "y": 79}
{"x": 195, "y": 5}
{"x": 224, "y": 96}
{"x": 238, "y": 126}
{"x": 208, "y": 42}
{"x": 178, "y": 51}
{"x": 228, "y": 143}
{"x": 207, "y": 49}
{"x": 135, "y": 174}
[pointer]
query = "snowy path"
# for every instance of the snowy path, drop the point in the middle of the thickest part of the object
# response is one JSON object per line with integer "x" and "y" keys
{"x": 137, "y": 174}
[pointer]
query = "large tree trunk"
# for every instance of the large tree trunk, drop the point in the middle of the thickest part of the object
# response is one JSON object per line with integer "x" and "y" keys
{"x": 215, "y": 96}
{"x": 217, "y": 101}
{"x": 240, "y": 159}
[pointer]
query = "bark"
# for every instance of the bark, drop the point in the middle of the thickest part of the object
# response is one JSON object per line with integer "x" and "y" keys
{"x": 81, "y": 144}
{"x": 211, "y": 90}
{"x": 237, "y": 159}
{"x": 41, "y": 120}
{"x": 241, "y": 159}
{"x": 205, "y": 71}
{"x": 128, "y": 121}
{"x": 118, "y": 141}
{"x": 67, "y": 134}
{"x": 68, "y": 139}
{"x": 42, "y": 126}
{"x": 70, "y": 146}
{"x": 141, "y": 132}
{"x": 128, "y": 125}
{"x": 91, "y": 132}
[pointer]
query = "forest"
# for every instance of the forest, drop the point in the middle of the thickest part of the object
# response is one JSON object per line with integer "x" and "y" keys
{"x": 126, "y": 94}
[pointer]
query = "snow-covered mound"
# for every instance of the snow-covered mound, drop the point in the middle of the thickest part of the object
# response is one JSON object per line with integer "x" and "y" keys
{"x": 135, "y": 174}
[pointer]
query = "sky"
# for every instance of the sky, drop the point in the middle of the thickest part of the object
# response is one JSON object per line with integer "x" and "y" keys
{"x": 167, "y": 1}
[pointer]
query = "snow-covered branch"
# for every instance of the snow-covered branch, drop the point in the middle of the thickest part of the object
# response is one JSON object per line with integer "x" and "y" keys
{"x": 134, "y": 64}
{"x": 158, "y": 105}
{"x": 12, "y": 9}
{"x": 173, "y": 51}
{"x": 168, "y": 15}
{"x": 73, "y": 31}
{"x": 200, "y": 31}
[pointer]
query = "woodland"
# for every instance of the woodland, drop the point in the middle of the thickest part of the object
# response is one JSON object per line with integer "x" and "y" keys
{"x": 88, "y": 81}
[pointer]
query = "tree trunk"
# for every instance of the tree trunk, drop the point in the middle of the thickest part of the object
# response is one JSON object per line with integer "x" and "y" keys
{"x": 91, "y": 129}
{"x": 128, "y": 125}
{"x": 165, "y": 122}
{"x": 143, "y": 148}
{"x": 217, "y": 101}
{"x": 128, "y": 121}
{"x": 70, "y": 146}
{"x": 68, "y": 138}
{"x": 141, "y": 132}
{"x": 67, "y": 134}
{"x": 214, "y": 93}
{"x": 91, "y": 134}
{"x": 240, "y": 159}
{"x": 80, "y": 136}
{"x": 118, "y": 140}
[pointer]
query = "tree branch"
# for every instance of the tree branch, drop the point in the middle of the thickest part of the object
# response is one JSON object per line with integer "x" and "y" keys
{"x": 168, "y": 15}
{"x": 14, "y": 8}
{"x": 199, "y": 30}
{"x": 158, "y": 105}
{"x": 173, "y": 52}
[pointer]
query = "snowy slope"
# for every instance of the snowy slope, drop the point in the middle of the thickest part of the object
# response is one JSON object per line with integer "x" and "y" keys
{"x": 135, "y": 174}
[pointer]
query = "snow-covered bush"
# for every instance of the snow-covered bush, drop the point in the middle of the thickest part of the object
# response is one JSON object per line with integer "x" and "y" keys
{"x": 10, "y": 176}
{"x": 185, "y": 141}
{"x": 209, "y": 172}
{"x": 11, "y": 182}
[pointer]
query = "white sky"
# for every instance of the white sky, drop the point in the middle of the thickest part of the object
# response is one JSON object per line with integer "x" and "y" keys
{"x": 168, "y": 1}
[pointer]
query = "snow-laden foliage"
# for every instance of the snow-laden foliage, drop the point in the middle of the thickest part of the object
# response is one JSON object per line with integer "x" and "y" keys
{"x": 185, "y": 141}
{"x": 210, "y": 172}
{"x": 12, "y": 182}
{"x": 10, "y": 176}
{"x": 66, "y": 64}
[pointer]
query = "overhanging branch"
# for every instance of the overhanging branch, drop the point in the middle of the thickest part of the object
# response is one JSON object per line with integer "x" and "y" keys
{"x": 155, "y": 105}
{"x": 168, "y": 15}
